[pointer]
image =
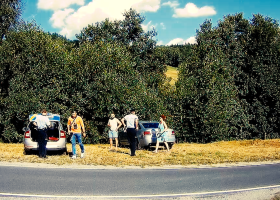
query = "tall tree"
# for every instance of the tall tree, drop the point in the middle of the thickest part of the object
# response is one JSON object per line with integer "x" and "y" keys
{"x": 140, "y": 44}
{"x": 10, "y": 11}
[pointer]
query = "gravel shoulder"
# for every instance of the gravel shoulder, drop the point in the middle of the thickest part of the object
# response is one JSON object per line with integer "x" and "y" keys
{"x": 79, "y": 166}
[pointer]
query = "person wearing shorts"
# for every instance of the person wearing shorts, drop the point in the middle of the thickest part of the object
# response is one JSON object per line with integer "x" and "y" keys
{"x": 114, "y": 125}
{"x": 162, "y": 133}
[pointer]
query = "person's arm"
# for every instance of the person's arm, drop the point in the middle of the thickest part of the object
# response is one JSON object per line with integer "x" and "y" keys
{"x": 83, "y": 127}
{"x": 123, "y": 122}
{"x": 68, "y": 125}
{"x": 108, "y": 123}
{"x": 48, "y": 123}
{"x": 165, "y": 126}
{"x": 119, "y": 125}
{"x": 136, "y": 124}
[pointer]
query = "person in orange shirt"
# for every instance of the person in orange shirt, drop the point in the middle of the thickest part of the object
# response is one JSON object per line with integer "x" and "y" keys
{"x": 75, "y": 128}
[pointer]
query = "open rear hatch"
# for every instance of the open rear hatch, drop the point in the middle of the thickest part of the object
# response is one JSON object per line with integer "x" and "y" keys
{"x": 52, "y": 132}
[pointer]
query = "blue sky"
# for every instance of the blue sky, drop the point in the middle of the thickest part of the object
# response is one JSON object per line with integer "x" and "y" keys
{"x": 176, "y": 22}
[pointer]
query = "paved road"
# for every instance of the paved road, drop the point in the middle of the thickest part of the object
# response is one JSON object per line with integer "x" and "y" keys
{"x": 131, "y": 182}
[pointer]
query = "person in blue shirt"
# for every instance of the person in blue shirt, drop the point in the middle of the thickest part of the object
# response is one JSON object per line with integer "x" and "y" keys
{"x": 162, "y": 133}
{"x": 42, "y": 122}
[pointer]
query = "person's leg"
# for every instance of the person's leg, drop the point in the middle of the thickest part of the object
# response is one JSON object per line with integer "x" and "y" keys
{"x": 157, "y": 145}
{"x": 133, "y": 134}
{"x": 111, "y": 143}
{"x": 116, "y": 139}
{"x": 115, "y": 136}
{"x": 79, "y": 137}
{"x": 131, "y": 140}
{"x": 73, "y": 141}
{"x": 110, "y": 138}
{"x": 44, "y": 149}
{"x": 167, "y": 147}
{"x": 40, "y": 141}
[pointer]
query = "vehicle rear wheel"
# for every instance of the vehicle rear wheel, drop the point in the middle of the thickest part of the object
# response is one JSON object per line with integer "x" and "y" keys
{"x": 146, "y": 147}
{"x": 27, "y": 152}
{"x": 170, "y": 145}
{"x": 64, "y": 151}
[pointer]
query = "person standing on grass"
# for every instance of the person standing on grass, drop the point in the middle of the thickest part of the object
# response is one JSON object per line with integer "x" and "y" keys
{"x": 132, "y": 128}
{"x": 162, "y": 133}
{"x": 114, "y": 125}
{"x": 75, "y": 128}
{"x": 42, "y": 122}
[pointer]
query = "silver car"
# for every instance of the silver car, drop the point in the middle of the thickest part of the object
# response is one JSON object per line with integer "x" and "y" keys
{"x": 147, "y": 135}
{"x": 56, "y": 136}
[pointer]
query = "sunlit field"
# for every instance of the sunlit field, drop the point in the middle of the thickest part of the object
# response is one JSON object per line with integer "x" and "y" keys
{"x": 172, "y": 72}
{"x": 181, "y": 154}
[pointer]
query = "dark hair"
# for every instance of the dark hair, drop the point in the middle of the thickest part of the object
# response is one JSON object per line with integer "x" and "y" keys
{"x": 44, "y": 111}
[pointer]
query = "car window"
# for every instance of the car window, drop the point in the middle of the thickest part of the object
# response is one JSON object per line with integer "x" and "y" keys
{"x": 150, "y": 125}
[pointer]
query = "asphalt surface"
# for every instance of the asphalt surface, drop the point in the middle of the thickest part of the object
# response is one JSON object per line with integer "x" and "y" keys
{"x": 134, "y": 182}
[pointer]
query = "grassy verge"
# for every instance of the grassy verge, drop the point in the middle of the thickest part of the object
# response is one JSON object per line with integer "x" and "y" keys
{"x": 181, "y": 154}
{"x": 172, "y": 72}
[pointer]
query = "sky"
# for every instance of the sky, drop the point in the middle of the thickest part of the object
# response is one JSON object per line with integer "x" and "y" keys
{"x": 176, "y": 22}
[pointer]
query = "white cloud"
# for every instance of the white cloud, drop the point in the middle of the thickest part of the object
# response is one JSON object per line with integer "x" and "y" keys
{"x": 58, "y": 18}
{"x": 148, "y": 26}
{"x": 175, "y": 41}
{"x": 146, "y": 5}
{"x": 191, "y": 10}
{"x": 159, "y": 43}
{"x": 162, "y": 26}
{"x": 58, "y": 4}
{"x": 191, "y": 40}
{"x": 172, "y": 4}
{"x": 98, "y": 10}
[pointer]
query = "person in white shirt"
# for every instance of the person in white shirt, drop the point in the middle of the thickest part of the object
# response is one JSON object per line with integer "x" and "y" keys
{"x": 132, "y": 128}
{"x": 42, "y": 122}
{"x": 114, "y": 125}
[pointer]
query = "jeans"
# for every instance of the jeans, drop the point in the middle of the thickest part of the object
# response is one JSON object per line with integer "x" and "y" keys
{"x": 77, "y": 136}
{"x": 131, "y": 134}
{"x": 42, "y": 142}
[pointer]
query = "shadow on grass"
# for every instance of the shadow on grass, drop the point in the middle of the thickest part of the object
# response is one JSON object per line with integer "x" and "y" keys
{"x": 49, "y": 153}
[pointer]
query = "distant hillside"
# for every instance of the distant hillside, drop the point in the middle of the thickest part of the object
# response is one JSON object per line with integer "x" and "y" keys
{"x": 172, "y": 72}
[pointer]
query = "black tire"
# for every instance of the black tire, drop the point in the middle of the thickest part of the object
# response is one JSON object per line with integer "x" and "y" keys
{"x": 146, "y": 147}
{"x": 27, "y": 152}
{"x": 170, "y": 145}
{"x": 64, "y": 151}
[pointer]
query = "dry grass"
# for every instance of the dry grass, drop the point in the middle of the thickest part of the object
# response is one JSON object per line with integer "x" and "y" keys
{"x": 172, "y": 72}
{"x": 181, "y": 154}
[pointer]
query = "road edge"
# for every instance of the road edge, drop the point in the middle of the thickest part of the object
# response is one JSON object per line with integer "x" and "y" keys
{"x": 79, "y": 166}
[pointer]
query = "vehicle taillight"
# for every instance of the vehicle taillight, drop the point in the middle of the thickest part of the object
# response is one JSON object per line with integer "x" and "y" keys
{"x": 147, "y": 133}
{"x": 62, "y": 134}
{"x": 27, "y": 134}
{"x": 173, "y": 133}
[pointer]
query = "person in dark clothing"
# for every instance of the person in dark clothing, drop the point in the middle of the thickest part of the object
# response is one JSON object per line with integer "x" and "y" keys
{"x": 131, "y": 128}
{"x": 42, "y": 122}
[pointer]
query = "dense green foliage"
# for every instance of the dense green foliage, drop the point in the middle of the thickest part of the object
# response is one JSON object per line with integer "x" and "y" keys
{"x": 10, "y": 11}
{"x": 229, "y": 86}
{"x": 174, "y": 55}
